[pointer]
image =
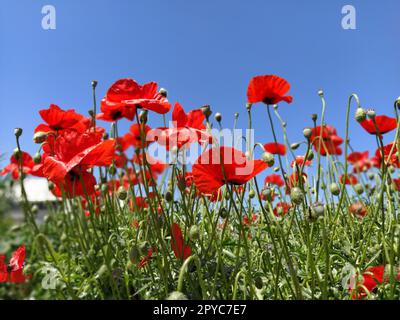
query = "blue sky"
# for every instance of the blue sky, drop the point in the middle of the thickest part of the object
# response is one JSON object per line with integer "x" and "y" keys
{"x": 203, "y": 52}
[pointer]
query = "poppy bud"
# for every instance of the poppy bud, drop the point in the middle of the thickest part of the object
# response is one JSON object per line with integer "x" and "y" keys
{"x": 294, "y": 146}
{"x": 314, "y": 117}
{"x": 307, "y": 132}
{"x": 17, "y": 153}
{"x": 358, "y": 209}
{"x": 37, "y": 158}
{"x": 218, "y": 117}
{"x": 94, "y": 84}
{"x": 284, "y": 124}
{"x": 176, "y": 295}
{"x": 359, "y": 189}
{"x": 194, "y": 232}
{"x": 360, "y": 114}
{"x": 143, "y": 116}
{"x": 371, "y": 113}
{"x": 163, "y": 92}
{"x": 236, "y": 115}
{"x": 310, "y": 155}
{"x": 104, "y": 188}
{"x": 321, "y": 93}
{"x": 112, "y": 169}
{"x": 51, "y": 185}
{"x": 371, "y": 175}
{"x": 317, "y": 210}
{"x": 335, "y": 190}
{"x": 268, "y": 158}
{"x": 169, "y": 196}
{"x": 91, "y": 113}
{"x": 17, "y": 132}
{"x": 392, "y": 169}
{"x": 39, "y": 137}
{"x": 258, "y": 282}
{"x": 223, "y": 213}
{"x": 268, "y": 194}
{"x": 248, "y": 106}
{"x": 398, "y": 102}
{"x": 275, "y": 106}
{"x": 122, "y": 193}
{"x": 276, "y": 169}
{"x": 296, "y": 195}
{"x": 252, "y": 194}
{"x": 206, "y": 109}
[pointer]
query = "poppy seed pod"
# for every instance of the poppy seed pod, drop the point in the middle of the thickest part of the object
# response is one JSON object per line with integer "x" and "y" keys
{"x": 37, "y": 158}
{"x": 314, "y": 117}
{"x": 94, "y": 84}
{"x": 236, "y": 115}
{"x": 122, "y": 193}
{"x": 194, "y": 232}
{"x": 17, "y": 132}
{"x": 335, "y": 190}
{"x": 360, "y": 115}
{"x": 317, "y": 210}
{"x": 163, "y": 92}
{"x": 268, "y": 158}
{"x": 321, "y": 93}
{"x": 294, "y": 146}
{"x": 218, "y": 117}
{"x": 176, "y": 295}
{"x": 252, "y": 194}
{"x": 248, "y": 106}
{"x": 307, "y": 132}
{"x": 206, "y": 109}
{"x": 296, "y": 195}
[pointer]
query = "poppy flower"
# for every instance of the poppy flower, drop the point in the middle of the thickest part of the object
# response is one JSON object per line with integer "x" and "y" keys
{"x": 220, "y": 165}
{"x": 17, "y": 266}
{"x": 358, "y": 209}
{"x": 294, "y": 180}
{"x": 58, "y": 119}
{"x": 77, "y": 182}
{"x": 275, "y": 148}
{"x": 146, "y": 259}
{"x": 281, "y": 209}
{"x": 383, "y": 123}
{"x": 348, "y": 179}
{"x": 187, "y": 128}
{"x": 181, "y": 250}
{"x": 3, "y": 270}
{"x": 72, "y": 154}
{"x": 330, "y": 143}
{"x": 136, "y": 133}
{"x": 388, "y": 150}
{"x": 275, "y": 179}
{"x": 14, "y": 165}
{"x": 360, "y": 161}
{"x": 299, "y": 160}
{"x": 396, "y": 184}
{"x": 247, "y": 221}
{"x": 269, "y": 89}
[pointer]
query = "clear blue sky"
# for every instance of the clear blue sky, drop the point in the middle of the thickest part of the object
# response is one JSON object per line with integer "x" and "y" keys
{"x": 203, "y": 52}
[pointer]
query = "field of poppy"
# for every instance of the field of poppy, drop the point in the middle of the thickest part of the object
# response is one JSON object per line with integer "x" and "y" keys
{"x": 138, "y": 216}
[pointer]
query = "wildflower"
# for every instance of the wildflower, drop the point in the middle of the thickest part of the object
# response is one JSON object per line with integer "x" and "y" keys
{"x": 300, "y": 161}
{"x": 275, "y": 179}
{"x": 269, "y": 89}
{"x": 219, "y": 166}
{"x": 181, "y": 250}
{"x": 348, "y": 179}
{"x": 275, "y": 148}
{"x": 360, "y": 161}
{"x": 358, "y": 209}
{"x": 281, "y": 209}
{"x": 330, "y": 143}
{"x": 14, "y": 165}
{"x": 383, "y": 123}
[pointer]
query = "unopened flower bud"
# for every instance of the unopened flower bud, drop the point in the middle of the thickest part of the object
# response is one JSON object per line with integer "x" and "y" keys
{"x": 317, "y": 210}
{"x": 218, "y": 117}
{"x": 398, "y": 102}
{"x": 206, "y": 109}
{"x": 359, "y": 189}
{"x": 392, "y": 169}
{"x": 310, "y": 155}
{"x": 295, "y": 146}
{"x": 275, "y": 106}
{"x": 335, "y": 190}
{"x": 122, "y": 193}
{"x": 296, "y": 195}
{"x": 360, "y": 115}
{"x": 17, "y": 132}
{"x": 169, "y": 196}
{"x": 39, "y": 137}
{"x": 314, "y": 117}
{"x": 268, "y": 194}
{"x": 94, "y": 84}
{"x": 194, "y": 232}
{"x": 236, "y": 115}
{"x": 163, "y": 92}
{"x": 307, "y": 132}
{"x": 321, "y": 93}
{"x": 91, "y": 113}
{"x": 37, "y": 158}
{"x": 252, "y": 194}
{"x": 176, "y": 295}
{"x": 276, "y": 169}
{"x": 248, "y": 106}
{"x": 268, "y": 158}
{"x": 258, "y": 282}
{"x": 223, "y": 213}
{"x": 51, "y": 185}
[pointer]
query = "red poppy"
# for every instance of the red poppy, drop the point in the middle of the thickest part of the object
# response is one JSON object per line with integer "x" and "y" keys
{"x": 136, "y": 133}
{"x": 187, "y": 128}
{"x": 3, "y": 269}
{"x": 349, "y": 179}
{"x": 269, "y": 89}
{"x": 396, "y": 184}
{"x": 146, "y": 259}
{"x": 358, "y": 209}
{"x": 388, "y": 150}
{"x": 383, "y": 123}
{"x": 247, "y": 221}
{"x": 330, "y": 140}
{"x": 294, "y": 180}
{"x": 360, "y": 161}
{"x": 275, "y": 179}
{"x": 220, "y": 165}
{"x": 181, "y": 250}
{"x": 281, "y": 209}
{"x": 299, "y": 160}
{"x": 74, "y": 153}
{"x": 58, "y": 119}
{"x": 14, "y": 165}
{"x": 275, "y": 148}
{"x": 17, "y": 266}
